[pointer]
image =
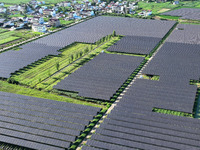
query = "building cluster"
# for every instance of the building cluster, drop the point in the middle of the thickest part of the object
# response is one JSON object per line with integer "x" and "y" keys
{"x": 41, "y": 16}
{"x": 120, "y": 7}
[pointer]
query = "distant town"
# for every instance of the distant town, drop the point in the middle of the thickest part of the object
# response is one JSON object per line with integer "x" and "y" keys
{"x": 41, "y": 16}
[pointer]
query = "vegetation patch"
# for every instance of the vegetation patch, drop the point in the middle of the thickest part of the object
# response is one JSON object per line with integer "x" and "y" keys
{"x": 172, "y": 112}
{"x": 88, "y": 129}
{"x": 169, "y": 17}
{"x": 123, "y": 53}
{"x": 163, "y": 10}
{"x": 7, "y": 37}
{"x": 150, "y": 77}
{"x": 40, "y": 70}
{"x": 12, "y": 88}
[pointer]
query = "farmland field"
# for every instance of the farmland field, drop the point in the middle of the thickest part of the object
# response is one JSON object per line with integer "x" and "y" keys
{"x": 156, "y": 7}
{"x": 39, "y": 73}
{"x": 2, "y": 30}
{"x": 8, "y": 37}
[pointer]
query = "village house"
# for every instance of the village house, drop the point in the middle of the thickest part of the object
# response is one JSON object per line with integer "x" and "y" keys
{"x": 54, "y": 22}
{"x": 39, "y": 28}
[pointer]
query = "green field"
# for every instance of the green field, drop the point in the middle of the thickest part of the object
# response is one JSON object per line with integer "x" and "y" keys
{"x": 8, "y": 37}
{"x": 156, "y": 7}
{"x": 64, "y": 22}
{"x": 53, "y": 80}
{"x": 3, "y": 30}
{"x": 12, "y": 88}
{"x": 169, "y": 17}
{"x": 40, "y": 72}
{"x": 40, "y": 76}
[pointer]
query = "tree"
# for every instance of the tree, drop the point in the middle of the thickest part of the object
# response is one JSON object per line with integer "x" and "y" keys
{"x": 49, "y": 72}
{"x": 57, "y": 65}
{"x": 76, "y": 55}
{"x": 114, "y": 33}
{"x": 86, "y": 50}
{"x": 91, "y": 47}
{"x": 81, "y": 53}
{"x": 72, "y": 57}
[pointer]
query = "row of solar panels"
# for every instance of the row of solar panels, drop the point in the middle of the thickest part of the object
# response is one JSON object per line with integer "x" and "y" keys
{"x": 135, "y": 44}
{"x": 185, "y": 13}
{"x": 89, "y": 32}
{"x": 101, "y": 77}
{"x": 40, "y": 123}
{"x": 185, "y": 33}
{"x": 133, "y": 125}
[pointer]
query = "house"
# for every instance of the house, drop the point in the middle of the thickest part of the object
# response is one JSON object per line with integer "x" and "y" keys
{"x": 64, "y": 4}
{"x": 39, "y": 28}
{"x": 145, "y": 13}
{"x": 8, "y": 24}
{"x": 54, "y": 22}
{"x": 70, "y": 15}
{"x": 1, "y": 4}
{"x": 1, "y": 21}
{"x": 33, "y": 2}
{"x": 19, "y": 25}
{"x": 2, "y": 10}
{"x": 175, "y": 2}
{"x": 15, "y": 19}
{"x": 37, "y": 19}
{"x": 13, "y": 8}
{"x": 47, "y": 11}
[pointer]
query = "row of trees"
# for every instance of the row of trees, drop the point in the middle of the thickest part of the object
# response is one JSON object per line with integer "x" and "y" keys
{"x": 106, "y": 38}
{"x": 87, "y": 49}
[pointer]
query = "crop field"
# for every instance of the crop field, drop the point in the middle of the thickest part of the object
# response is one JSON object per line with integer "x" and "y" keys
{"x": 11, "y": 37}
{"x": 8, "y": 37}
{"x": 2, "y": 30}
{"x": 156, "y": 7}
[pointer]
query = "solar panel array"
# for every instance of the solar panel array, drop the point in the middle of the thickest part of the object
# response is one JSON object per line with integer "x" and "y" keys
{"x": 185, "y": 33}
{"x": 89, "y": 32}
{"x": 133, "y": 125}
{"x": 42, "y": 124}
{"x": 177, "y": 62}
{"x": 135, "y": 44}
{"x": 101, "y": 77}
{"x": 185, "y": 13}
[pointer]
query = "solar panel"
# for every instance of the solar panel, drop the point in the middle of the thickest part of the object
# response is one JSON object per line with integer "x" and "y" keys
{"x": 22, "y": 124}
{"x": 185, "y": 13}
{"x": 88, "y": 32}
{"x": 101, "y": 77}
{"x": 135, "y": 44}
